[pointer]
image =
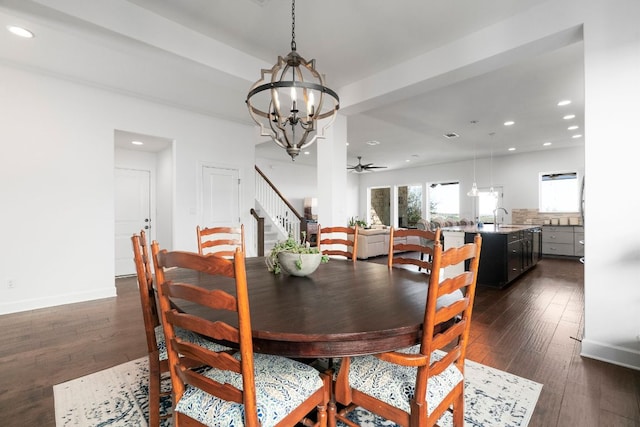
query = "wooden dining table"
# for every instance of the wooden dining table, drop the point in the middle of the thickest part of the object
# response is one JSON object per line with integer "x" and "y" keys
{"x": 344, "y": 308}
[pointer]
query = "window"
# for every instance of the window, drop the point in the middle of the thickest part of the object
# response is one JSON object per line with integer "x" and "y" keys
{"x": 380, "y": 206}
{"x": 444, "y": 199}
{"x": 488, "y": 202}
{"x": 409, "y": 205}
{"x": 559, "y": 192}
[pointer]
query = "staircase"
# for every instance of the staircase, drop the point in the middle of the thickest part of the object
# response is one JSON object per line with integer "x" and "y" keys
{"x": 271, "y": 233}
{"x": 280, "y": 218}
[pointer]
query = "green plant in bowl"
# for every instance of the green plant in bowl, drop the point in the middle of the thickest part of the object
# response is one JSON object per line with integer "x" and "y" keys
{"x": 298, "y": 251}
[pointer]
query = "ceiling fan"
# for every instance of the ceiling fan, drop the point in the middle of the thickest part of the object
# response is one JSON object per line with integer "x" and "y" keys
{"x": 363, "y": 168}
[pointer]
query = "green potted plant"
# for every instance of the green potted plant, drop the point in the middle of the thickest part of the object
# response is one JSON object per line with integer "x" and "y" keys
{"x": 295, "y": 258}
{"x": 354, "y": 221}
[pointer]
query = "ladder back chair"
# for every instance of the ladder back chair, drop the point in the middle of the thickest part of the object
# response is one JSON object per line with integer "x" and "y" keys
{"x": 240, "y": 389}
{"x": 220, "y": 241}
{"x": 151, "y": 319}
{"x": 399, "y": 252}
{"x": 156, "y": 347}
{"x": 417, "y": 385}
{"x": 345, "y": 237}
{"x": 423, "y": 224}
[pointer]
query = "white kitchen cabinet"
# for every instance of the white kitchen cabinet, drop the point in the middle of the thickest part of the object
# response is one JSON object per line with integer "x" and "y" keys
{"x": 578, "y": 241}
{"x": 562, "y": 240}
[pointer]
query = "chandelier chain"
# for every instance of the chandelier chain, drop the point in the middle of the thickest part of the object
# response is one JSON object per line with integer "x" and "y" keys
{"x": 293, "y": 24}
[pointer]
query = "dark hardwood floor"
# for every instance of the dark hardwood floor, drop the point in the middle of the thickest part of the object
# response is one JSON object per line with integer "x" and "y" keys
{"x": 530, "y": 329}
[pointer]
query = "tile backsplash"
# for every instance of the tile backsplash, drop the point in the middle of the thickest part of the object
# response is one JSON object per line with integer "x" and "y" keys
{"x": 533, "y": 216}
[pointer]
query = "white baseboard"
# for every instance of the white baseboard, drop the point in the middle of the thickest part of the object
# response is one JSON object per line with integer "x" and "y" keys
{"x": 629, "y": 358}
{"x": 55, "y": 300}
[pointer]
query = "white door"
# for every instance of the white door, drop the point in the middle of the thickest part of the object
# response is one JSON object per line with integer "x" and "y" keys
{"x": 220, "y": 197}
{"x": 132, "y": 214}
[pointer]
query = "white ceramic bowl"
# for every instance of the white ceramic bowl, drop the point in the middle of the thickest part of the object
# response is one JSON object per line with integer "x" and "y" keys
{"x": 310, "y": 263}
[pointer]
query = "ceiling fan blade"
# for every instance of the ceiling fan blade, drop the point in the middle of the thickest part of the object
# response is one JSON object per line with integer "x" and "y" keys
{"x": 364, "y": 167}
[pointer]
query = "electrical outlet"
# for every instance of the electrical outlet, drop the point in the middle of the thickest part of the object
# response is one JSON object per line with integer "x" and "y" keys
{"x": 10, "y": 284}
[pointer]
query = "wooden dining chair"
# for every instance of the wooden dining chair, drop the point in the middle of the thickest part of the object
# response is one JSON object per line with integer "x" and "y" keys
{"x": 221, "y": 241}
{"x": 243, "y": 389}
{"x": 423, "y": 224}
{"x": 342, "y": 241}
{"x": 403, "y": 242}
{"x": 417, "y": 385}
{"x": 156, "y": 348}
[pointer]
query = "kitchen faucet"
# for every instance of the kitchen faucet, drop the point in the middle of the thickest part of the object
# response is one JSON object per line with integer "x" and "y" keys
{"x": 495, "y": 216}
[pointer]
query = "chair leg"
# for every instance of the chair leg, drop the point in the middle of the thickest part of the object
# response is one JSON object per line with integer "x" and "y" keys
{"x": 458, "y": 408}
{"x": 421, "y": 259}
{"x": 331, "y": 414}
{"x": 154, "y": 391}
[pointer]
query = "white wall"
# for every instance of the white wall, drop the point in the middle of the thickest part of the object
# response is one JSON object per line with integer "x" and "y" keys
{"x": 57, "y": 183}
{"x": 612, "y": 251}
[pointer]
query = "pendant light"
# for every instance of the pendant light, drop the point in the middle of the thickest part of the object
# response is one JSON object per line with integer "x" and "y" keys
{"x": 290, "y": 99}
{"x": 474, "y": 188}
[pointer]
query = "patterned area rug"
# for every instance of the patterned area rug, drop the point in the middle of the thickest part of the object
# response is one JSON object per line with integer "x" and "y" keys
{"x": 118, "y": 397}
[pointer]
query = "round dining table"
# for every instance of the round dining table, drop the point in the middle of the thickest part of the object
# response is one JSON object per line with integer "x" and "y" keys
{"x": 343, "y": 309}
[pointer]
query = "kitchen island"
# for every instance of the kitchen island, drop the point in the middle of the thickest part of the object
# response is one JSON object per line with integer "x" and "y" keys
{"x": 508, "y": 250}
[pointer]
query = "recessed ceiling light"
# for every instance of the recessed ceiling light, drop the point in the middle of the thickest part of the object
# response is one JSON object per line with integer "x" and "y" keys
{"x": 574, "y": 127}
{"x": 546, "y": 144}
{"x": 450, "y": 135}
{"x": 347, "y": 144}
{"x": 407, "y": 160}
{"x": 509, "y": 123}
{"x": 512, "y": 149}
{"x": 20, "y": 31}
{"x": 137, "y": 142}
{"x": 569, "y": 116}
{"x": 373, "y": 142}
{"x": 306, "y": 153}
{"x": 564, "y": 102}
{"x": 576, "y": 136}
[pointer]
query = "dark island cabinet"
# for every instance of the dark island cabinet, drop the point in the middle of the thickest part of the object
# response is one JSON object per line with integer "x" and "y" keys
{"x": 507, "y": 255}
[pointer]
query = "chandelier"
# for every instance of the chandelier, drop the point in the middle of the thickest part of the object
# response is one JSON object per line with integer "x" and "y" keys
{"x": 290, "y": 99}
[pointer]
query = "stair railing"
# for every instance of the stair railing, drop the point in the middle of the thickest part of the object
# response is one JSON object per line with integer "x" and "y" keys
{"x": 260, "y": 229}
{"x": 283, "y": 215}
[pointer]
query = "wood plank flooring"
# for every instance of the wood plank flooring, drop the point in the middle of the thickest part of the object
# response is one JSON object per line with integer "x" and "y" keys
{"x": 530, "y": 329}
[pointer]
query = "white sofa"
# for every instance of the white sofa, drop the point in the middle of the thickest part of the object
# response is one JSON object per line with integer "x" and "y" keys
{"x": 375, "y": 242}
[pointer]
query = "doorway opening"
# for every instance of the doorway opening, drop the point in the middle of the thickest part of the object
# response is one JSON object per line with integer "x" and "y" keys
{"x": 143, "y": 177}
